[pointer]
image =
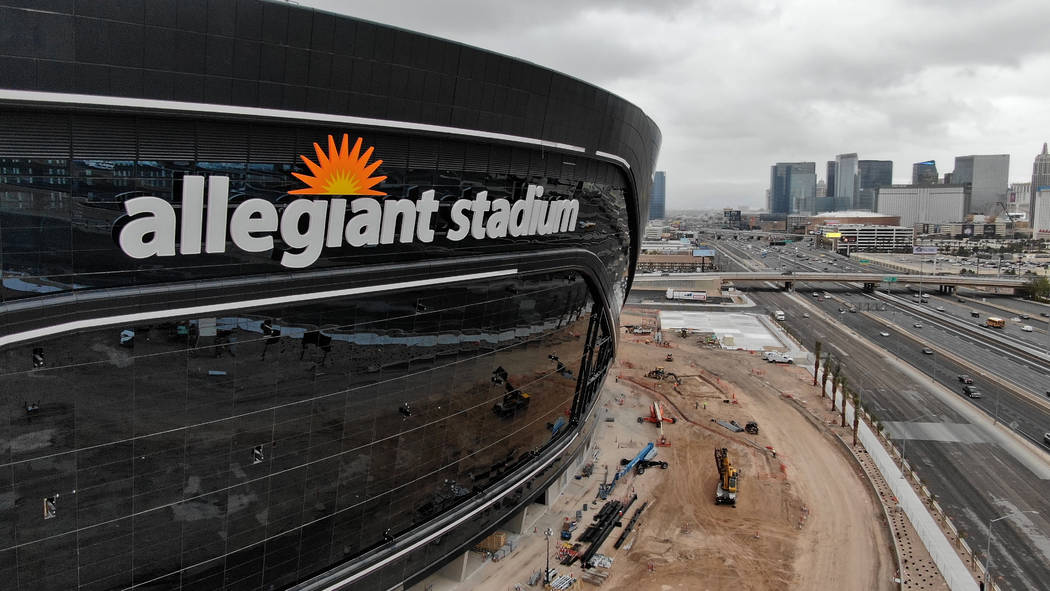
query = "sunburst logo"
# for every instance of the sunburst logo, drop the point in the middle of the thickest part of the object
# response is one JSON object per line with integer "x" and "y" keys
{"x": 342, "y": 171}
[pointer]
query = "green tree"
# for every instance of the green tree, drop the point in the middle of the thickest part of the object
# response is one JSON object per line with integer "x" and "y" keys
{"x": 1038, "y": 288}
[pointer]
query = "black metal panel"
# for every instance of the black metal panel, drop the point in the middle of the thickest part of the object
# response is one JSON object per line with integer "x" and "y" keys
{"x": 104, "y": 137}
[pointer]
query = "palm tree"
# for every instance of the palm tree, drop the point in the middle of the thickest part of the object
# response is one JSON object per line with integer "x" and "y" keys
{"x": 842, "y": 383}
{"x": 816, "y": 363}
{"x": 824, "y": 375}
{"x": 837, "y": 379}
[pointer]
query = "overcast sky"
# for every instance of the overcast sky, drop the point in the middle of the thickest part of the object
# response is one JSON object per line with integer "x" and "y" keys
{"x": 736, "y": 85}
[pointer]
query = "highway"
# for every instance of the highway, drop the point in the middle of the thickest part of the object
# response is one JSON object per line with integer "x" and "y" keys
{"x": 977, "y": 470}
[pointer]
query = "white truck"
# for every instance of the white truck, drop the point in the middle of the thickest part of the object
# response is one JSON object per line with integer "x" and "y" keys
{"x": 778, "y": 315}
{"x": 695, "y": 296}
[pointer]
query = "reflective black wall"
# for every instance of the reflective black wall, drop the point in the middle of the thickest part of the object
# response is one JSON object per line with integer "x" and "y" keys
{"x": 256, "y": 449}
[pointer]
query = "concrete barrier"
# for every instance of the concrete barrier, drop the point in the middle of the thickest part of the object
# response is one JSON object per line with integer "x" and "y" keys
{"x": 948, "y": 562}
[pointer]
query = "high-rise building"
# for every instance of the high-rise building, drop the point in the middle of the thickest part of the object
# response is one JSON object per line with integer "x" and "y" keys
{"x": 872, "y": 175}
{"x": 832, "y": 170}
{"x": 658, "y": 196}
{"x": 988, "y": 175}
{"x": 847, "y": 181}
{"x": 1019, "y": 200}
{"x": 1040, "y": 178}
{"x": 924, "y": 173}
{"x": 792, "y": 187}
{"x": 1041, "y": 213}
{"x": 923, "y": 204}
{"x": 822, "y": 189}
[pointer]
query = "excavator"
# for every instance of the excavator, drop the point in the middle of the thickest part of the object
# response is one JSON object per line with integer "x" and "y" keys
{"x": 659, "y": 373}
{"x": 727, "y": 478}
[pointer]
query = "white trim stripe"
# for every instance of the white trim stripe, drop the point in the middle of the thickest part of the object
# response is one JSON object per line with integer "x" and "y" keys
{"x": 448, "y": 527}
{"x": 112, "y": 101}
{"x": 254, "y": 303}
{"x": 612, "y": 157}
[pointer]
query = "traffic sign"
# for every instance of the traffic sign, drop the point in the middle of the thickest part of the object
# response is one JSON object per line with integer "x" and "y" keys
{"x": 864, "y": 261}
{"x": 890, "y": 279}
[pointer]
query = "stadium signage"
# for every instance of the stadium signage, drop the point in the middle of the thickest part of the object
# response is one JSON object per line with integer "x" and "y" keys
{"x": 349, "y": 215}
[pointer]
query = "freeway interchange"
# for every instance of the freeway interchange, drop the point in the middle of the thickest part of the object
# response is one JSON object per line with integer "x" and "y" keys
{"x": 982, "y": 458}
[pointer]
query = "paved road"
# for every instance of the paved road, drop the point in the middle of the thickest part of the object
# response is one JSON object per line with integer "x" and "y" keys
{"x": 976, "y": 471}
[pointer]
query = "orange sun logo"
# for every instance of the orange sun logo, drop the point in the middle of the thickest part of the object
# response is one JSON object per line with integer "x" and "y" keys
{"x": 340, "y": 172}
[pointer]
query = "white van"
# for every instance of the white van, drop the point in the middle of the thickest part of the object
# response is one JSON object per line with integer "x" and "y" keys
{"x": 778, "y": 315}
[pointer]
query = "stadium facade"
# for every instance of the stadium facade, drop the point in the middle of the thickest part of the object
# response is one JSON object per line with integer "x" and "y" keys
{"x": 289, "y": 299}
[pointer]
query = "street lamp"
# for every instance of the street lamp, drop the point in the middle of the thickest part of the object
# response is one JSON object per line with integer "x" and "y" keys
{"x": 904, "y": 440}
{"x": 547, "y": 572}
{"x": 988, "y": 543}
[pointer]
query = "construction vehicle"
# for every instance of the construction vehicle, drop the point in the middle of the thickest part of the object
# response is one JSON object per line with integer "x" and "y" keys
{"x": 656, "y": 415}
{"x": 567, "y": 528}
{"x": 683, "y": 333}
{"x": 669, "y": 358}
{"x": 659, "y": 373}
{"x": 751, "y": 427}
{"x": 725, "y": 494}
{"x": 640, "y": 467}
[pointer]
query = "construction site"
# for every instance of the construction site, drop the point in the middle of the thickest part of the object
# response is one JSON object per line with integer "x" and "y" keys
{"x": 710, "y": 469}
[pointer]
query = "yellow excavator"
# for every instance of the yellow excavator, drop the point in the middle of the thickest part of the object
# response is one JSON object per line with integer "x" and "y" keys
{"x": 727, "y": 477}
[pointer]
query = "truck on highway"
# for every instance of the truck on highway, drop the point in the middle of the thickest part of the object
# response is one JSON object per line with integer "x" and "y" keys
{"x": 696, "y": 296}
{"x": 778, "y": 315}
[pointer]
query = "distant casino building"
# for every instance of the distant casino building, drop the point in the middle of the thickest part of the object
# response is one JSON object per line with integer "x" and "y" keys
{"x": 292, "y": 300}
{"x": 872, "y": 174}
{"x": 792, "y": 187}
{"x": 1040, "y": 177}
{"x": 658, "y": 199}
{"x": 987, "y": 174}
{"x": 924, "y": 173}
{"x": 929, "y": 204}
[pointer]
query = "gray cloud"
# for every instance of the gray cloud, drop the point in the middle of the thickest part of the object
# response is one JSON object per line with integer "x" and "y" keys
{"x": 739, "y": 85}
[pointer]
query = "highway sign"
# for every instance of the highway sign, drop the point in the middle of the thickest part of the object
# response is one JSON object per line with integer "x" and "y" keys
{"x": 890, "y": 279}
{"x": 864, "y": 261}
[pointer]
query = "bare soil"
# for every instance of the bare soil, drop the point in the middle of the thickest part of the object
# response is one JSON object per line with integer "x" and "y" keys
{"x": 805, "y": 517}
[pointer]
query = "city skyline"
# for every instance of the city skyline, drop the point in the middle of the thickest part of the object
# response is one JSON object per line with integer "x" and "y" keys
{"x": 786, "y": 82}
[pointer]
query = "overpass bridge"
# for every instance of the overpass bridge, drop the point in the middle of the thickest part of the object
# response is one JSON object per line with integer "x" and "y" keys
{"x": 700, "y": 281}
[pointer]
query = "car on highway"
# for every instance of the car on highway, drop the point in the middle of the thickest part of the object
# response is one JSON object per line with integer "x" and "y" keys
{"x": 1045, "y": 314}
{"x": 805, "y": 314}
{"x": 816, "y": 295}
{"x": 917, "y": 325}
{"x": 1046, "y": 438}
{"x": 1026, "y": 328}
{"x": 927, "y": 351}
{"x": 884, "y": 334}
{"x": 1025, "y": 316}
{"x": 965, "y": 379}
{"x": 940, "y": 308}
{"x": 972, "y": 392}
{"x": 975, "y": 314}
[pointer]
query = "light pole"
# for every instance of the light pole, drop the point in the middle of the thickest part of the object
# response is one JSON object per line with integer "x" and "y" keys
{"x": 547, "y": 572}
{"x": 904, "y": 440}
{"x": 988, "y": 544}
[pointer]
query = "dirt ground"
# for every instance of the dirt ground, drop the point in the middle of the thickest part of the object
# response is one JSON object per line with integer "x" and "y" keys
{"x": 804, "y": 517}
